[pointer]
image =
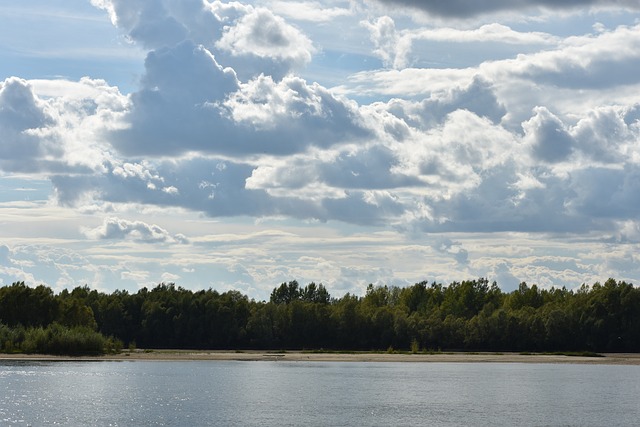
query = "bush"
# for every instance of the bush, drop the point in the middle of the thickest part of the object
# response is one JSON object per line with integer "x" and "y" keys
{"x": 415, "y": 346}
{"x": 60, "y": 340}
{"x": 113, "y": 345}
{"x": 10, "y": 338}
{"x": 34, "y": 341}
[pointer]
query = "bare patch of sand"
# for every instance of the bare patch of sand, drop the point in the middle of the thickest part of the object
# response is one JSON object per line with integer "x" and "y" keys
{"x": 299, "y": 356}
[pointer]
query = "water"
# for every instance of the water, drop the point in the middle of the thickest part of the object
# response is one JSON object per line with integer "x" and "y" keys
{"x": 203, "y": 393}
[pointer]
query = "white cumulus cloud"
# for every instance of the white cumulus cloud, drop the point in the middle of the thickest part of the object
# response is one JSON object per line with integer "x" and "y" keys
{"x": 120, "y": 229}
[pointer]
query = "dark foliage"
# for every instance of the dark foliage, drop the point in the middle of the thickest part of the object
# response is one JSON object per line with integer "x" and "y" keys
{"x": 468, "y": 315}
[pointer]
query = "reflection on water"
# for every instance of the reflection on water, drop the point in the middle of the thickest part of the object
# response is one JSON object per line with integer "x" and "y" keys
{"x": 146, "y": 393}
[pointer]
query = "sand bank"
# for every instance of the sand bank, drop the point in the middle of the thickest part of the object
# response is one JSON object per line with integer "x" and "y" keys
{"x": 300, "y": 356}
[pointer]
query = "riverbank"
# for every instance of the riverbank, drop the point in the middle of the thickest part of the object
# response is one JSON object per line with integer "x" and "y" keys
{"x": 300, "y": 356}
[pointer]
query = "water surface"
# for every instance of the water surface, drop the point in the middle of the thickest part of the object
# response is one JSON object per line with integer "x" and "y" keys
{"x": 226, "y": 393}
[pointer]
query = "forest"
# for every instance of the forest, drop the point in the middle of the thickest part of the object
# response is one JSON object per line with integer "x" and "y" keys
{"x": 472, "y": 315}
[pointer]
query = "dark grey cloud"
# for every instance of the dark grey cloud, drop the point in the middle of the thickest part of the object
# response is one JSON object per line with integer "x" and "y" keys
{"x": 607, "y": 193}
{"x": 479, "y": 98}
{"x": 217, "y": 188}
{"x": 213, "y": 186}
{"x": 174, "y": 110}
{"x": 369, "y": 169}
{"x": 466, "y": 8}
{"x": 599, "y": 73}
{"x": 549, "y": 140}
{"x": 585, "y": 200}
{"x": 496, "y": 206}
{"x": 357, "y": 208}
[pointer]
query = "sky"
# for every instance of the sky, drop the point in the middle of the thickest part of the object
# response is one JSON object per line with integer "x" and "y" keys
{"x": 239, "y": 145}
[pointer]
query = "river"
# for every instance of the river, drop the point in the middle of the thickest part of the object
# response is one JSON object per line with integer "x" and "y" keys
{"x": 277, "y": 393}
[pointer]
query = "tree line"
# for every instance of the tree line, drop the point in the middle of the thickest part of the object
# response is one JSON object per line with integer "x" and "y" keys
{"x": 472, "y": 315}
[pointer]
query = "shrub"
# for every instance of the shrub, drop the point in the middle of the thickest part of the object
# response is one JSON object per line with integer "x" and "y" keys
{"x": 60, "y": 340}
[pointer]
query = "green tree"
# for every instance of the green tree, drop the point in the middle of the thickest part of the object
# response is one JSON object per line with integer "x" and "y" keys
{"x": 286, "y": 293}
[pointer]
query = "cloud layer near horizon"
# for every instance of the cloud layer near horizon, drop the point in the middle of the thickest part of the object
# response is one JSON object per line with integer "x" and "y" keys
{"x": 465, "y": 9}
{"x": 224, "y": 124}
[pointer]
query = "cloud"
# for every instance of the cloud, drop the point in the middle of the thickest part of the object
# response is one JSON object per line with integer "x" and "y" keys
{"x": 395, "y": 47}
{"x": 290, "y": 115}
{"x": 308, "y": 11}
{"x": 485, "y": 178}
{"x": 385, "y": 39}
{"x": 20, "y": 108}
{"x": 260, "y": 35}
{"x": 38, "y": 263}
{"x": 22, "y": 119}
{"x": 549, "y": 141}
{"x": 138, "y": 231}
{"x": 4, "y": 255}
{"x": 173, "y": 111}
{"x": 478, "y": 97}
{"x": 603, "y": 136}
{"x": 160, "y": 23}
{"x": 188, "y": 102}
{"x": 360, "y": 181}
{"x": 413, "y": 83}
{"x": 487, "y": 33}
{"x": 277, "y": 145}
{"x": 212, "y": 186}
{"x": 51, "y": 127}
{"x": 606, "y": 193}
{"x": 503, "y": 275}
{"x": 632, "y": 116}
{"x": 455, "y": 249}
{"x": 443, "y": 164}
{"x": 606, "y": 60}
{"x": 532, "y": 138}
{"x": 251, "y": 40}
{"x": 466, "y": 9}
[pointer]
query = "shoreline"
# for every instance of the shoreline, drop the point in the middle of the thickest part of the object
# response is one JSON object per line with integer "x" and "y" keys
{"x": 301, "y": 356}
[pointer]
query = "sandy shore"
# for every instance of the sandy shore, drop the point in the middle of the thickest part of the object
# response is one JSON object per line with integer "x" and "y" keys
{"x": 297, "y": 356}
